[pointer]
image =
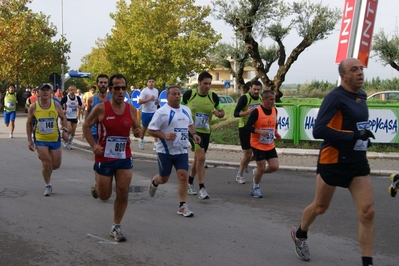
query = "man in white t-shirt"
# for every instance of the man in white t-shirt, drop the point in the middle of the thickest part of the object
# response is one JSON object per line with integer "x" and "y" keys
{"x": 149, "y": 101}
{"x": 172, "y": 124}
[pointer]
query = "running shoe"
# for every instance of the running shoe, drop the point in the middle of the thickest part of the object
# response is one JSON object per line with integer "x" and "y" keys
{"x": 153, "y": 188}
{"x": 256, "y": 192}
{"x": 141, "y": 144}
{"x": 69, "y": 146}
{"x": 11, "y": 136}
{"x": 191, "y": 190}
{"x": 117, "y": 234}
{"x": 394, "y": 186}
{"x": 48, "y": 191}
{"x": 240, "y": 179}
{"x": 185, "y": 211}
{"x": 94, "y": 190}
{"x": 203, "y": 194}
{"x": 301, "y": 246}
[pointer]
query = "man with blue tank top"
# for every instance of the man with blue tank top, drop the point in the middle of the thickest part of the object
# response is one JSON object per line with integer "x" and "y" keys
{"x": 100, "y": 97}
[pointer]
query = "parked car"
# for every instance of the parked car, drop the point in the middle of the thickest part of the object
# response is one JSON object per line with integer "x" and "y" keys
{"x": 225, "y": 99}
{"x": 385, "y": 96}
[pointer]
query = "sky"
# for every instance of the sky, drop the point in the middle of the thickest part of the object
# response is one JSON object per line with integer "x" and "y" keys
{"x": 84, "y": 21}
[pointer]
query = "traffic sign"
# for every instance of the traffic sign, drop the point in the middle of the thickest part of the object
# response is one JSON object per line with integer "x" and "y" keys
{"x": 227, "y": 84}
{"x": 127, "y": 98}
{"x": 135, "y": 98}
{"x": 162, "y": 98}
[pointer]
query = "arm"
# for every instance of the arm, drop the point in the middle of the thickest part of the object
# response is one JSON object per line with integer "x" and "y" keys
{"x": 88, "y": 104}
{"x": 249, "y": 126}
{"x": 63, "y": 120}
{"x": 191, "y": 129}
{"x": 328, "y": 109}
{"x": 95, "y": 116}
{"x": 29, "y": 127}
{"x": 136, "y": 125}
{"x": 218, "y": 111}
{"x": 242, "y": 102}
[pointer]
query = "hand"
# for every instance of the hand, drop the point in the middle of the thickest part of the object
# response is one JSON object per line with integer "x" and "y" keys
{"x": 31, "y": 145}
{"x": 97, "y": 149}
{"x": 278, "y": 136}
{"x": 364, "y": 134}
{"x": 64, "y": 136}
{"x": 137, "y": 132}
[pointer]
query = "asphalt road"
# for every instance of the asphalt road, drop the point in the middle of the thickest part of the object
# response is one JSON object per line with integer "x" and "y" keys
{"x": 232, "y": 228}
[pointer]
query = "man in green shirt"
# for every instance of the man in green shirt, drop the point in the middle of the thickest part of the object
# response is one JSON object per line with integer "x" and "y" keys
{"x": 9, "y": 101}
{"x": 203, "y": 103}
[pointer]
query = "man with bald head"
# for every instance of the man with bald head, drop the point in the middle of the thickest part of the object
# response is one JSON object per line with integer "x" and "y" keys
{"x": 343, "y": 123}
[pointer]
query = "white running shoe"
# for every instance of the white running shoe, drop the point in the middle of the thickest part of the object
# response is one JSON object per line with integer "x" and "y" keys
{"x": 191, "y": 190}
{"x": 301, "y": 246}
{"x": 141, "y": 144}
{"x": 240, "y": 179}
{"x": 185, "y": 211}
{"x": 48, "y": 191}
{"x": 11, "y": 136}
{"x": 203, "y": 194}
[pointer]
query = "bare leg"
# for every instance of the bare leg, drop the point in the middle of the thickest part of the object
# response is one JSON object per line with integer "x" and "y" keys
{"x": 320, "y": 204}
{"x": 123, "y": 178}
{"x": 362, "y": 194}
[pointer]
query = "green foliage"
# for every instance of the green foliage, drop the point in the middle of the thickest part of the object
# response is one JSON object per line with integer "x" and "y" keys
{"x": 162, "y": 39}
{"x": 387, "y": 50}
{"x": 28, "y": 48}
{"x": 254, "y": 21}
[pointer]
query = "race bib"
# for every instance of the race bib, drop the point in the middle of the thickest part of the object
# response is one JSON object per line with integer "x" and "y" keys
{"x": 10, "y": 105}
{"x": 181, "y": 137}
{"x": 115, "y": 147}
{"x": 202, "y": 120}
{"x": 268, "y": 139}
{"x": 46, "y": 125}
{"x": 361, "y": 145}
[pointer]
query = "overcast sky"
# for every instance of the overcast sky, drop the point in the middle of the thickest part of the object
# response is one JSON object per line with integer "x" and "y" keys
{"x": 84, "y": 21}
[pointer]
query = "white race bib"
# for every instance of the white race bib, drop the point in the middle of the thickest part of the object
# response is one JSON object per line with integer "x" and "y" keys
{"x": 115, "y": 147}
{"x": 181, "y": 137}
{"x": 268, "y": 139}
{"x": 202, "y": 120}
{"x": 46, "y": 125}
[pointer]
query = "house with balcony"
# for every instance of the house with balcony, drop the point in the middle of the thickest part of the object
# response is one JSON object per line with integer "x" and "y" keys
{"x": 223, "y": 82}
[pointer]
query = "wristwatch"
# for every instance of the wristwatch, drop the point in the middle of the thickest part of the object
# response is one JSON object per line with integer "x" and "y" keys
{"x": 65, "y": 129}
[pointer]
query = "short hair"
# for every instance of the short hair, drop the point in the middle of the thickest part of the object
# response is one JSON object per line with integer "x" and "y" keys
{"x": 11, "y": 85}
{"x": 151, "y": 78}
{"x": 102, "y": 76}
{"x": 171, "y": 87}
{"x": 116, "y": 76}
{"x": 204, "y": 75}
{"x": 256, "y": 83}
{"x": 93, "y": 87}
{"x": 266, "y": 93}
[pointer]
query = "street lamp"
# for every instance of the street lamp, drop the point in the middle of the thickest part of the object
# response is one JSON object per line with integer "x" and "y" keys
{"x": 62, "y": 34}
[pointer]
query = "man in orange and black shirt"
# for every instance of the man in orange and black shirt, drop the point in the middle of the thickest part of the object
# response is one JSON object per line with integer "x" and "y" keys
{"x": 262, "y": 123}
{"x": 343, "y": 123}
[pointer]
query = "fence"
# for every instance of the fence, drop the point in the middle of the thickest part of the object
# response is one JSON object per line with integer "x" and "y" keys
{"x": 296, "y": 121}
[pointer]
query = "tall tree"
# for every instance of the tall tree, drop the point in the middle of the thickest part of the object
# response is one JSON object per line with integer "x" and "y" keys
{"x": 164, "y": 39}
{"x": 274, "y": 19}
{"x": 387, "y": 50}
{"x": 28, "y": 49}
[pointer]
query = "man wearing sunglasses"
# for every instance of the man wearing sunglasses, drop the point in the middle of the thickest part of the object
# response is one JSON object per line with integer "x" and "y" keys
{"x": 113, "y": 157}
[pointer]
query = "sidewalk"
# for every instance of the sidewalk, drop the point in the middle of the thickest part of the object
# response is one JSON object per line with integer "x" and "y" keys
{"x": 382, "y": 164}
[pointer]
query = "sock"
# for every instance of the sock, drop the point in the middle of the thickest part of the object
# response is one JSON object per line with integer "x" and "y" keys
{"x": 181, "y": 204}
{"x": 115, "y": 225}
{"x": 48, "y": 185}
{"x": 239, "y": 173}
{"x": 367, "y": 261}
{"x": 201, "y": 186}
{"x": 301, "y": 234}
{"x": 153, "y": 183}
{"x": 190, "y": 180}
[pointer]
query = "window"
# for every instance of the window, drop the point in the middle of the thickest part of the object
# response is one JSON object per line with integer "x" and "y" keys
{"x": 216, "y": 76}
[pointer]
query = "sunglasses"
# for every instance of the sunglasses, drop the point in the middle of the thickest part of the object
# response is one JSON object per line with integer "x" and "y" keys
{"x": 117, "y": 88}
